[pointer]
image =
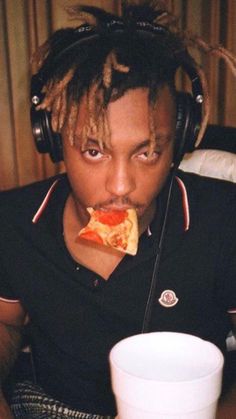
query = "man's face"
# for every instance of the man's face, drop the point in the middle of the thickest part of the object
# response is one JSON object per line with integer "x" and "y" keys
{"x": 123, "y": 175}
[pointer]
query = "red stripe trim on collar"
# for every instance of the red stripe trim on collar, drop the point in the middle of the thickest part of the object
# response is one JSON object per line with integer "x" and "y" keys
{"x": 184, "y": 203}
{"x": 42, "y": 207}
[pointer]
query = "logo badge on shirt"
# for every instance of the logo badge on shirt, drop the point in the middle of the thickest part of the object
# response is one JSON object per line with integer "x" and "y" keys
{"x": 168, "y": 299}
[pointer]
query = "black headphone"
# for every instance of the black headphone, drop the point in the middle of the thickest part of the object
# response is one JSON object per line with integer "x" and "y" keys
{"x": 189, "y": 106}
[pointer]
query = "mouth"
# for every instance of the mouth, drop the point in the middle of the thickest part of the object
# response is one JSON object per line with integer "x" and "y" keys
{"x": 140, "y": 210}
{"x": 116, "y": 208}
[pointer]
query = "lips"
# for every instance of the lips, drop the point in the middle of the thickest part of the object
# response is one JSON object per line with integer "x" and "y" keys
{"x": 139, "y": 209}
{"x": 115, "y": 208}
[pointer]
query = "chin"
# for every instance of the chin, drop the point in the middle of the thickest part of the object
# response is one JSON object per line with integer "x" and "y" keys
{"x": 146, "y": 212}
{"x": 141, "y": 212}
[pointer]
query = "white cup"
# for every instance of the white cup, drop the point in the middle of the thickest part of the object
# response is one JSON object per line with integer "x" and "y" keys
{"x": 166, "y": 375}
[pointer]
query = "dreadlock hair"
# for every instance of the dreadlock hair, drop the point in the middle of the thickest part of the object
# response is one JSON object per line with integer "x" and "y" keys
{"x": 104, "y": 56}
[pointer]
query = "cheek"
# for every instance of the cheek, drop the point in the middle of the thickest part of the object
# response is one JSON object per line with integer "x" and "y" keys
{"x": 151, "y": 185}
{"x": 86, "y": 182}
{"x": 151, "y": 181}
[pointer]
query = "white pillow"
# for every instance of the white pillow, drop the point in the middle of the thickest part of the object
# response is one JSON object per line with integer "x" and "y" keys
{"x": 212, "y": 163}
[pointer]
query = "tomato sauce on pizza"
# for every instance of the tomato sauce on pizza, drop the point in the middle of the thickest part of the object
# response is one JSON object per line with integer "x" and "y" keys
{"x": 117, "y": 229}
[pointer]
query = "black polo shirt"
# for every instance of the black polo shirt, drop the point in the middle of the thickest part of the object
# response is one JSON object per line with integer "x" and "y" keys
{"x": 76, "y": 316}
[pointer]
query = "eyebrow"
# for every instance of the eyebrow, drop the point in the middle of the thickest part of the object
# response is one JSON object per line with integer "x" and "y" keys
{"x": 89, "y": 141}
{"x": 92, "y": 141}
{"x": 161, "y": 139}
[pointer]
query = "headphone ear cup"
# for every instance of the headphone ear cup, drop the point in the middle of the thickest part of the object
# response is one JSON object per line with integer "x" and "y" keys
{"x": 46, "y": 140}
{"x": 187, "y": 125}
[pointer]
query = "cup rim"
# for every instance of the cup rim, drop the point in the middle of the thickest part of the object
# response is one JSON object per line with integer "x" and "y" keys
{"x": 201, "y": 378}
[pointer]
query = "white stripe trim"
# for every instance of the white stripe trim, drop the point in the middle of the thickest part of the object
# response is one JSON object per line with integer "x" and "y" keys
{"x": 149, "y": 232}
{"x": 6, "y": 300}
{"x": 44, "y": 203}
{"x": 232, "y": 311}
{"x": 185, "y": 203}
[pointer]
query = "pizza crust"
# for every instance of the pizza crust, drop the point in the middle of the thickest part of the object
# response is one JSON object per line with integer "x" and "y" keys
{"x": 116, "y": 229}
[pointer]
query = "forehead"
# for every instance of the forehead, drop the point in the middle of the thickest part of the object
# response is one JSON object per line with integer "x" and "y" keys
{"x": 134, "y": 107}
{"x": 130, "y": 115}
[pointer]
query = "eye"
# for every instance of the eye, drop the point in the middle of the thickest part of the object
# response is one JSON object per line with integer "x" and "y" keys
{"x": 93, "y": 154}
{"x": 148, "y": 157}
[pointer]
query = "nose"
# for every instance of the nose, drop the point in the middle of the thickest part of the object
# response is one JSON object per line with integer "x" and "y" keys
{"x": 120, "y": 180}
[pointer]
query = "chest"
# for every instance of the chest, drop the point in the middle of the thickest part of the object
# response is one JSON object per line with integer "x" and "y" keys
{"x": 50, "y": 282}
{"x": 66, "y": 300}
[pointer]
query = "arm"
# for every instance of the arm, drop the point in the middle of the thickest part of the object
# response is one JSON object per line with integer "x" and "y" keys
{"x": 12, "y": 320}
{"x": 233, "y": 320}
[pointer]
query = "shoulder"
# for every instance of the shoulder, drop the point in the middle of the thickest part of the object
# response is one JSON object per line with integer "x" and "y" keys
{"x": 25, "y": 199}
{"x": 208, "y": 187}
{"x": 210, "y": 196}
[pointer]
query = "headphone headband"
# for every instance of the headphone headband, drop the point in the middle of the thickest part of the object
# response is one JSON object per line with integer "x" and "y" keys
{"x": 87, "y": 33}
{"x": 119, "y": 25}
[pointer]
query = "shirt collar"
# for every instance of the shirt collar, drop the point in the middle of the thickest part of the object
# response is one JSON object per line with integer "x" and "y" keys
{"x": 182, "y": 209}
{"x": 180, "y": 183}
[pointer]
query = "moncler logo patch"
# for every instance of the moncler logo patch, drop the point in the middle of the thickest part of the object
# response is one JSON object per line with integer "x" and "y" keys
{"x": 168, "y": 299}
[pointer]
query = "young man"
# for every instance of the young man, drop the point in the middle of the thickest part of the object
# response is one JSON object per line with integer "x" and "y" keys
{"x": 108, "y": 89}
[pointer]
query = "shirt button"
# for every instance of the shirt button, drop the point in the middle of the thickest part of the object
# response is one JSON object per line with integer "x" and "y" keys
{"x": 96, "y": 283}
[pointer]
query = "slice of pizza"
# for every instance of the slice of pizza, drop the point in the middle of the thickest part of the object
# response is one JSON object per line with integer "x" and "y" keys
{"x": 117, "y": 229}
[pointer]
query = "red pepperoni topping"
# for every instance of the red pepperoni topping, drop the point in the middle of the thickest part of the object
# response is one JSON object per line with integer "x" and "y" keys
{"x": 111, "y": 218}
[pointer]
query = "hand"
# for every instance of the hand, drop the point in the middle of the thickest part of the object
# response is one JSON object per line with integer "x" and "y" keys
{"x": 5, "y": 411}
